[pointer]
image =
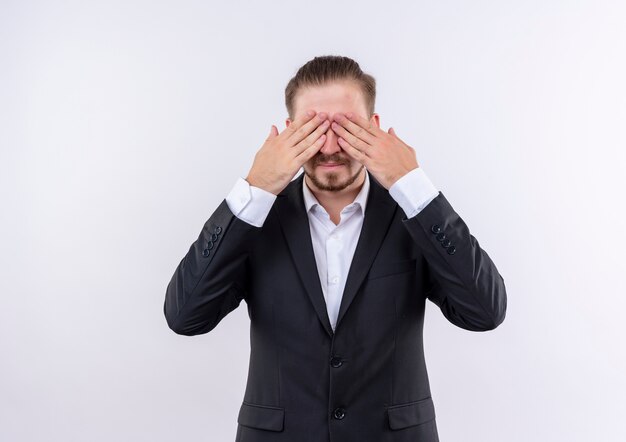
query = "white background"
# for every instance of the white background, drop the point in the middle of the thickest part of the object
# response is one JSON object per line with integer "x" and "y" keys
{"x": 125, "y": 123}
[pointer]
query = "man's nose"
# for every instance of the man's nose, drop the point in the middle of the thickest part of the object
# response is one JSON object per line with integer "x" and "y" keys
{"x": 331, "y": 145}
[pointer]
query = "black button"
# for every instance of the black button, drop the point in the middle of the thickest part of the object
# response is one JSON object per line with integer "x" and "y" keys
{"x": 451, "y": 250}
{"x": 205, "y": 252}
{"x": 336, "y": 361}
{"x": 435, "y": 228}
{"x": 339, "y": 413}
{"x": 209, "y": 245}
{"x": 441, "y": 236}
{"x": 218, "y": 230}
{"x": 214, "y": 237}
{"x": 446, "y": 243}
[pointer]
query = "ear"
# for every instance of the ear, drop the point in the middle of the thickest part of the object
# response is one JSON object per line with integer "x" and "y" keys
{"x": 375, "y": 119}
{"x": 287, "y": 122}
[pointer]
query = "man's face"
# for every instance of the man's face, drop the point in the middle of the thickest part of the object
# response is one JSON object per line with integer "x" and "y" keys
{"x": 331, "y": 168}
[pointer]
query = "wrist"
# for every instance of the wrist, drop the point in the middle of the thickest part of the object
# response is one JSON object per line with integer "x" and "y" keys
{"x": 261, "y": 185}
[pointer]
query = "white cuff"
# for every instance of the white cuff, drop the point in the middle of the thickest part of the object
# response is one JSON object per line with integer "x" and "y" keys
{"x": 413, "y": 192}
{"x": 249, "y": 203}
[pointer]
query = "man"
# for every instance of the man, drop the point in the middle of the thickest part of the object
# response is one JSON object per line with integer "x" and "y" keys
{"x": 335, "y": 267}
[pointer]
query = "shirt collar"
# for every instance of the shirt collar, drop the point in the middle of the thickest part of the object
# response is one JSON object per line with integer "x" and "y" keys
{"x": 360, "y": 200}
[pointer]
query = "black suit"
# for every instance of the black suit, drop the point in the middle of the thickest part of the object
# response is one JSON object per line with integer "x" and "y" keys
{"x": 367, "y": 381}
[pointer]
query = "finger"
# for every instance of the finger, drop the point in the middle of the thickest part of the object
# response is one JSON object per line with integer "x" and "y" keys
{"x": 273, "y": 132}
{"x": 393, "y": 132}
{"x": 299, "y": 122}
{"x": 358, "y": 124}
{"x": 306, "y": 126}
{"x": 312, "y": 138}
{"x": 350, "y": 138}
{"x": 308, "y": 153}
{"x": 354, "y": 153}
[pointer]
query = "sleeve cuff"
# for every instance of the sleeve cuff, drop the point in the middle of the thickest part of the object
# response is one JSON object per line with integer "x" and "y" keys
{"x": 249, "y": 203}
{"x": 413, "y": 192}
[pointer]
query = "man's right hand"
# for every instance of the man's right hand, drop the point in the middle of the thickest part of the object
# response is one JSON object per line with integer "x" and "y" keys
{"x": 282, "y": 155}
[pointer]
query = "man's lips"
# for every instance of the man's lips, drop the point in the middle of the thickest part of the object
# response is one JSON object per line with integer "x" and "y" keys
{"x": 330, "y": 164}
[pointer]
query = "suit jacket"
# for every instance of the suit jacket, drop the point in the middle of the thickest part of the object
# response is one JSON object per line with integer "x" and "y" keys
{"x": 366, "y": 381}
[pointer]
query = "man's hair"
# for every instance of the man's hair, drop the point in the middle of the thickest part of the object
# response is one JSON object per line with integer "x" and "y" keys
{"x": 326, "y": 69}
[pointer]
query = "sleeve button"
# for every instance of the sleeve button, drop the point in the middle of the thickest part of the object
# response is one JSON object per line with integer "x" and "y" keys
{"x": 441, "y": 236}
{"x": 451, "y": 250}
{"x": 436, "y": 228}
{"x": 446, "y": 243}
{"x": 205, "y": 252}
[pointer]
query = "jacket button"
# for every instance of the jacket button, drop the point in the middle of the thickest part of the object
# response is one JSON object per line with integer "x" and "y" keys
{"x": 435, "y": 228}
{"x": 209, "y": 245}
{"x": 205, "y": 252}
{"x": 218, "y": 230}
{"x": 446, "y": 243}
{"x": 441, "y": 236}
{"x": 336, "y": 361}
{"x": 451, "y": 250}
{"x": 339, "y": 413}
{"x": 214, "y": 237}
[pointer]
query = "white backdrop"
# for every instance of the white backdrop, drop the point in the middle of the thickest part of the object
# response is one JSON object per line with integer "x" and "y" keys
{"x": 125, "y": 123}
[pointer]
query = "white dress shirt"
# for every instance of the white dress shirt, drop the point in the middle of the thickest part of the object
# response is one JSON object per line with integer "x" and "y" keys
{"x": 333, "y": 245}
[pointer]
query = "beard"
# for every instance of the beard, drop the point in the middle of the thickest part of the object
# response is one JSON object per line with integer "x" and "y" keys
{"x": 331, "y": 181}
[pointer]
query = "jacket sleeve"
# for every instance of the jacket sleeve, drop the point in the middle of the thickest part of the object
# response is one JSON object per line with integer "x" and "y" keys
{"x": 212, "y": 278}
{"x": 462, "y": 279}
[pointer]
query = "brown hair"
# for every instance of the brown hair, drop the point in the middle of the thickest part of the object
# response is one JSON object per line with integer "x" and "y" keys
{"x": 325, "y": 69}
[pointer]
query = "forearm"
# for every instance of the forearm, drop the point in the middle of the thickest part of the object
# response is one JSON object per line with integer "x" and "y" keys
{"x": 465, "y": 282}
{"x": 210, "y": 281}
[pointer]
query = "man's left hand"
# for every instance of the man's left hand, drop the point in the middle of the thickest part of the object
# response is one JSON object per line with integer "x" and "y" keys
{"x": 385, "y": 155}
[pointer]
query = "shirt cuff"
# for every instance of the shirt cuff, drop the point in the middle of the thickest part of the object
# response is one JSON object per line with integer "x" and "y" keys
{"x": 413, "y": 192}
{"x": 250, "y": 203}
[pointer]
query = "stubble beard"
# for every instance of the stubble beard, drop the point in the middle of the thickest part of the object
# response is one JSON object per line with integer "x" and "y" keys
{"x": 330, "y": 182}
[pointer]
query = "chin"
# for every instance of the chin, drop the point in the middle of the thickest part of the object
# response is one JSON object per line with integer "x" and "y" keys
{"x": 331, "y": 180}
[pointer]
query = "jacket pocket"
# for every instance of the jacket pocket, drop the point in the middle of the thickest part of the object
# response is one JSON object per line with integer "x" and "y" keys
{"x": 412, "y": 413}
{"x": 263, "y": 417}
{"x": 389, "y": 268}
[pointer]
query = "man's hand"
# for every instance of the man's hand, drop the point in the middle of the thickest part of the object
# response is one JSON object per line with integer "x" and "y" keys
{"x": 382, "y": 153}
{"x": 282, "y": 155}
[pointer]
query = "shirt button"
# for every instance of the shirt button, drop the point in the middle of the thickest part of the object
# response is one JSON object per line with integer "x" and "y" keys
{"x": 339, "y": 413}
{"x": 336, "y": 361}
{"x": 335, "y": 279}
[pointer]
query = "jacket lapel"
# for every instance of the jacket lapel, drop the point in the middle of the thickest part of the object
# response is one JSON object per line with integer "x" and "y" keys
{"x": 378, "y": 215}
{"x": 295, "y": 224}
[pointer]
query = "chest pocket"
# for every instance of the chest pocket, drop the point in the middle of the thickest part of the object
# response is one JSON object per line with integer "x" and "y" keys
{"x": 388, "y": 268}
